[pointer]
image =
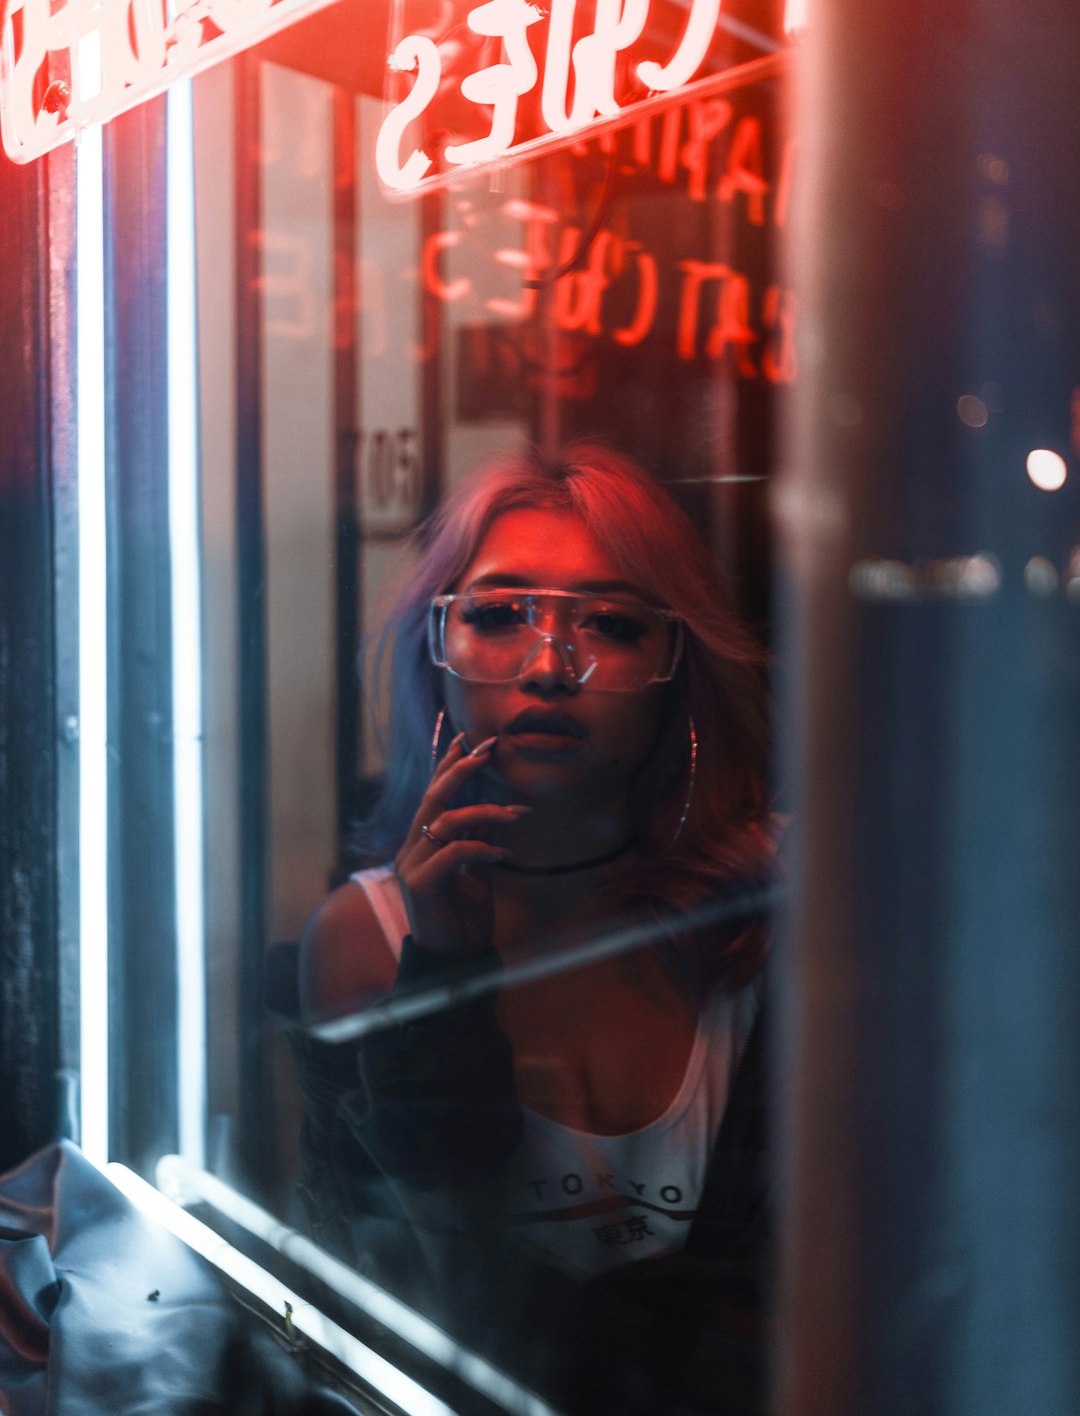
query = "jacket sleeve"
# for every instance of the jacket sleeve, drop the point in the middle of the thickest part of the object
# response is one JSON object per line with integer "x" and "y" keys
{"x": 426, "y": 1104}
{"x": 400, "y": 1133}
{"x": 437, "y": 1103}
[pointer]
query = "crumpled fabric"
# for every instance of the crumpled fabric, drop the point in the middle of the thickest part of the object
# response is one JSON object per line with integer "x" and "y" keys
{"x": 105, "y": 1313}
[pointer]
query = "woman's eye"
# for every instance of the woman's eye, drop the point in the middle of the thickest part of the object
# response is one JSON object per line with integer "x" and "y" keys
{"x": 487, "y": 618}
{"x": 625, "y": 628}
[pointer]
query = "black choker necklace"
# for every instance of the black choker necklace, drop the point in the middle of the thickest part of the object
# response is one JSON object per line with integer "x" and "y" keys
{"x": 574, "y": 866}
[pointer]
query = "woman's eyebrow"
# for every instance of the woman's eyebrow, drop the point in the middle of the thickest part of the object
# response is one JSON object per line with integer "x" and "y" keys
{"x": 520, "y": 580}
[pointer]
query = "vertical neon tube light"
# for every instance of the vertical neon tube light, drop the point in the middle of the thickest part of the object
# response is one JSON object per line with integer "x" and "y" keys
{"x": 186, "y": 624}
{"x": 93, "y": 701}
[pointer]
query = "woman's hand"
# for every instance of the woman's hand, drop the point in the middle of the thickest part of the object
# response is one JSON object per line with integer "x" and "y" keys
{"x": 445, "y": 887}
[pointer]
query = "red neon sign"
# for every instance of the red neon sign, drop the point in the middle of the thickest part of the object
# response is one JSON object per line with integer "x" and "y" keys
{"x": 718, "y": 312}
{"x": 103, "y": 57}
{"x": 543, "y": 76}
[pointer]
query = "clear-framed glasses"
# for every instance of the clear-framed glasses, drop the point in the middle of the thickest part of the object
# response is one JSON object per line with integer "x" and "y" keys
{"x": 611, "y": 643}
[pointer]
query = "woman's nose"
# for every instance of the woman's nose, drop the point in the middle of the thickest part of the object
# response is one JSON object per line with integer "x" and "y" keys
{"x": 550, "y": 665}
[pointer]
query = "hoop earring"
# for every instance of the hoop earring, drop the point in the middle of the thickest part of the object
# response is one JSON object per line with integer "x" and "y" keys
{"x": 439, "y": 721}
{"x": 690, "y": 784}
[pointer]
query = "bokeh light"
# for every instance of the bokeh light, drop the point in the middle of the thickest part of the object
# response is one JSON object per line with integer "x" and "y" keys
{"x": 1041, "y": 577}
{"x": 1046, "y": 469}
{"x": 972, "y": 411}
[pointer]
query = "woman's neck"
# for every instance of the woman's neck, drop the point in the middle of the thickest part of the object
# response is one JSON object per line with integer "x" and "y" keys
{"x": 552, "y": 840}
{"x": 539, "y": 913}
{"x": 544, "y": 904}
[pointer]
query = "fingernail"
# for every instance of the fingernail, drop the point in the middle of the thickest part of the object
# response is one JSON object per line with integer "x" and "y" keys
{"x": 519, "y": 810}
{"x": 484, "y": 746}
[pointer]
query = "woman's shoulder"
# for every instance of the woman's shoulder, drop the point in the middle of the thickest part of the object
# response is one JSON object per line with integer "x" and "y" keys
{"x": 346, "y": 957}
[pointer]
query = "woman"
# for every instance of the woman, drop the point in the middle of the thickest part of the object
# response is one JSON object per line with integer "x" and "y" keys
{"x": 577, "y": 745}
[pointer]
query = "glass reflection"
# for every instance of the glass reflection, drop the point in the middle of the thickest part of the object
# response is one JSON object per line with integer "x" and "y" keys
{"x": 569, "y": 1174}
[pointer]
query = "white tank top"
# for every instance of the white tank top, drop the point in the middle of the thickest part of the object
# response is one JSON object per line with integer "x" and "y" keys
{"x": 587, "y": 1202}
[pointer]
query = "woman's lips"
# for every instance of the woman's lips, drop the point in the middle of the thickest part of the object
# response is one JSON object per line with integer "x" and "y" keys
{"x": 545, "y": 735}
{"x": 546, "y": 742}
{"x": 546, "y": 725}
{"x": 552, "y": 748}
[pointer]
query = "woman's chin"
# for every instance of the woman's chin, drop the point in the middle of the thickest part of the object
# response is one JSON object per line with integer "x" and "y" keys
{"x": 550, "y": 779}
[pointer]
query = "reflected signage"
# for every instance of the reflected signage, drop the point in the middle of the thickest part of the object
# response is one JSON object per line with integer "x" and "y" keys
{"x": 66, "y": 66}
{"x": 510, "y": 78}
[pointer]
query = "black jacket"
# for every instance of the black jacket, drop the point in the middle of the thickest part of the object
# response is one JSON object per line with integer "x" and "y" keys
{"x": 402, "y": 1134}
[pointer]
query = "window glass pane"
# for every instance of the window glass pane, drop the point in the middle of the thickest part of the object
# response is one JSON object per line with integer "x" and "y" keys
{"x": 514, "y": 1082}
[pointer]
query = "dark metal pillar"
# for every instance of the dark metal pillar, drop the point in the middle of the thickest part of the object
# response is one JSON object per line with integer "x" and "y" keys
{"x": 933, "y": 1081}
{"x": 31, "y": 1047}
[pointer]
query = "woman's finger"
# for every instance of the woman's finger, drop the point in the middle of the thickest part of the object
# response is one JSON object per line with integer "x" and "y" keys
{"x": 465, "y": 823}
{"x": 462, "y": 822}
{"x": 426, "y": 808}
{"x": 440, "y": 869}
{"x": 453, "y": 753}
{"x": 449, "y": 780}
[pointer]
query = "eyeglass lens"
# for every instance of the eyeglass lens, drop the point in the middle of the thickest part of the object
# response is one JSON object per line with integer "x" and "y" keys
{"x": 495, "y": 636}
